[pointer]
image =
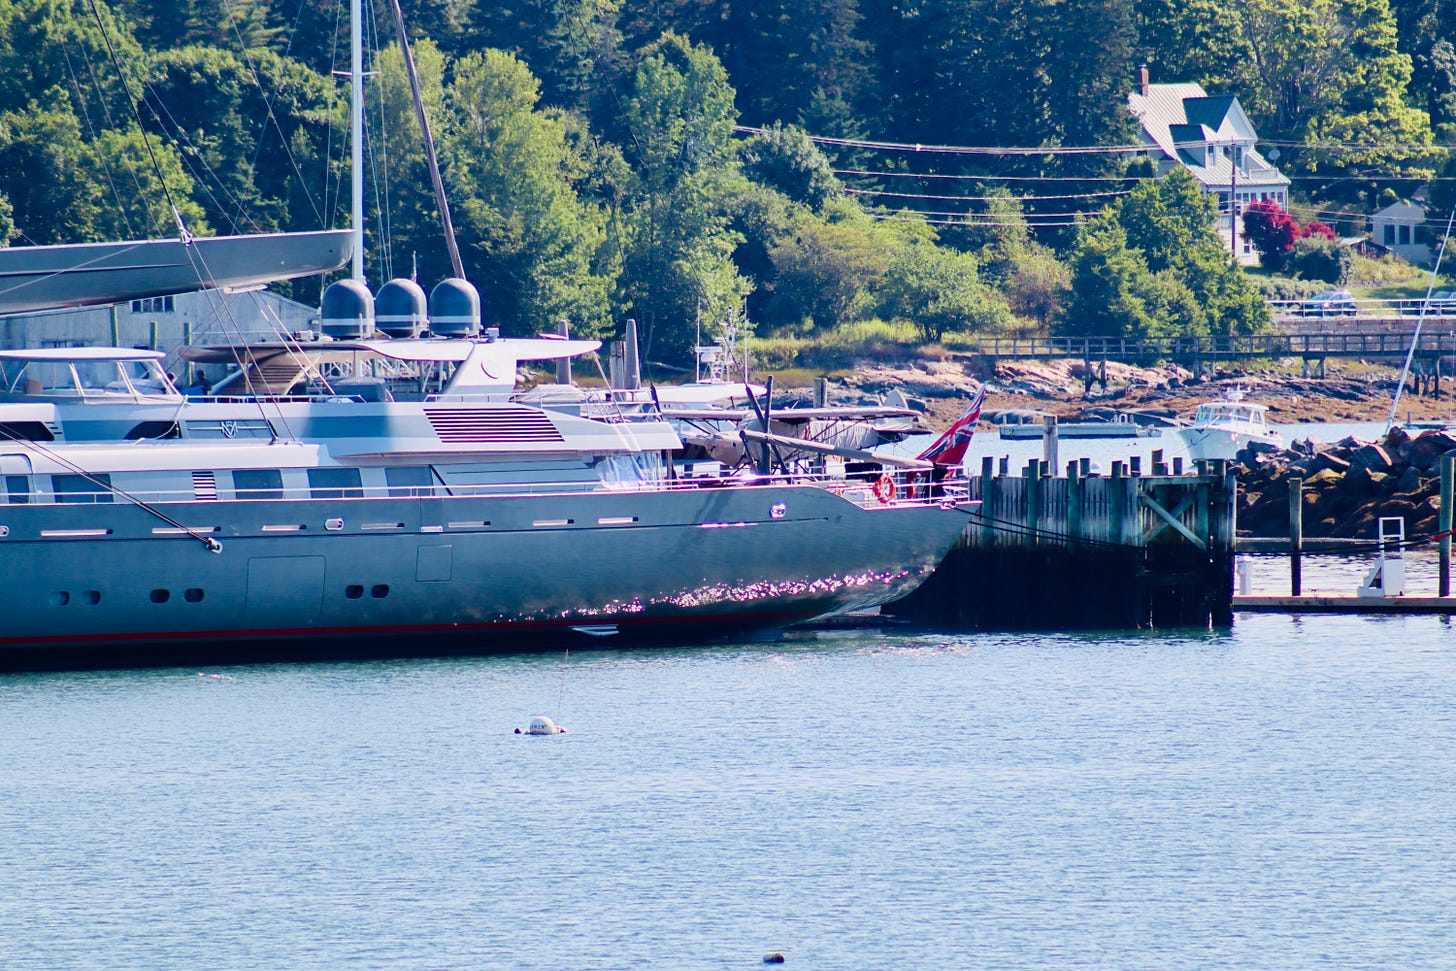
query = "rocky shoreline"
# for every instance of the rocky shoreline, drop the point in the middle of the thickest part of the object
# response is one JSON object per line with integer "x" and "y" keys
{"x": 1348, "y": 393}
{"x": 1348, "y": 485}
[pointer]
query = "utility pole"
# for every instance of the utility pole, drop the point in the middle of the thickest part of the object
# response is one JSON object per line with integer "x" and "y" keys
{"x": 1233, "y": 203}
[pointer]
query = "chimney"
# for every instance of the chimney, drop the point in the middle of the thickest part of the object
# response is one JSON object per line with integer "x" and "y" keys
{"x": 1143, "y": 79}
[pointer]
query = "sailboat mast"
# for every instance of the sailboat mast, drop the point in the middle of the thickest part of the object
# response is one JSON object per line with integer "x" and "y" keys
{"x": 356, "y": 126}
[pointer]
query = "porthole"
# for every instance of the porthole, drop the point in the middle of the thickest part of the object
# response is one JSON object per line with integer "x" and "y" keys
{"x": 379, "y": 591}
{"x": 60, "y": 598}
{"x": 192, "y": 595}
{"x": 354, "y": 591}
{"x": 91, "y": 597}
{"x": 161, "y": 596}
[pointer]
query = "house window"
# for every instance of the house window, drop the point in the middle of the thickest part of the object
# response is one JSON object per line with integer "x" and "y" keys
{"x": 153, "y": 305}
{"x": 1405, "y": 235}
{"x": 1389, "y": 237}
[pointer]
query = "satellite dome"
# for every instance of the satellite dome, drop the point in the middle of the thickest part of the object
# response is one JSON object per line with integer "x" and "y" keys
{"x": 348, "y": 310}
{"x": 454, "y": 309}
{"x": 399, "y": 308}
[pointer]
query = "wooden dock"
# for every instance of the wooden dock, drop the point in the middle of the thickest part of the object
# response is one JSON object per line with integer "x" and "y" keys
{"x": 1343, "y": 604}
{"x": 1084, "y": 551}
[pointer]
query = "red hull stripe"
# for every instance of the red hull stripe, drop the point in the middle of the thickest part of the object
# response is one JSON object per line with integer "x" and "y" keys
{"x": 297, "y": 632}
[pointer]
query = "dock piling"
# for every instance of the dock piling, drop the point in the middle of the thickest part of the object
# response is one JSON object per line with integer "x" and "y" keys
{"x": 1087, "y": 552}
{"x": 1443, "y": 524}
{"x": 1296, "y": 535}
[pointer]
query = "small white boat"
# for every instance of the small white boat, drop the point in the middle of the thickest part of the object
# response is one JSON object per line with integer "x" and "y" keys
{"x": 1223, "y": 428}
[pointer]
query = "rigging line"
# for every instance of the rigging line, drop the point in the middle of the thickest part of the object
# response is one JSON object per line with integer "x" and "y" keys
{"x": 270, "y": 116}
{"x": 225, "y": 313}
{"x": 91, "y": 131}
{"x": 186, "y": 236}
{"x": 1014, "y": 528}
{"x": 380, "y": 168}
{"x": 192, "y": 160}
{"x": 331, "y": 200}
{"x": 1420, "y": 318}
{"x": 210, "y": 544}
{"x": 922, "y": 195}
{"x": 431, "y": 156}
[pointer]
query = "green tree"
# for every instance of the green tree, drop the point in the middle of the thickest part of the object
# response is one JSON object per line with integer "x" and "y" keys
{"x": 528, "y": 231}
{"x": 570, "y": 45}
{"x": 252, "y": 133}
{"x": 1114, "y": 293}
{"x": 1319, "y": 258}
{"x": 784, "y": 158}
{"x": 65, "y": 189}
{"x": 937, "y": 290}
{"x": 1152, "y": 265}
{"x": 826, "y": 272}
{"x": 676, "y": 235}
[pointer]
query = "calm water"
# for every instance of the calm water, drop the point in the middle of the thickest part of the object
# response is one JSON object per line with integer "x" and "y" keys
{"x": 1278, "y": 797}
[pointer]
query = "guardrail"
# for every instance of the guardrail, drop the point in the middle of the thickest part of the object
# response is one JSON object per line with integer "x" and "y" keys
{"x": 1441, "y": 306}
{"x": 1243, "y": 346}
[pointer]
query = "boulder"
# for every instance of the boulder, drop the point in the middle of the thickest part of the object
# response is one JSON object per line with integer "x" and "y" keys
{"x": 1370, "y": 457}
{"x": 1425, "y": 451}
{"x": 1409, "y": 480}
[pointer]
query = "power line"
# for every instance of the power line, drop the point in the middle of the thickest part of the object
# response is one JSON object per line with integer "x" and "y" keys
{"x": 997, "y": 178}
{"x": 971, "y": 223}
{"x": 998, "y": 150}
{"x": 922, "y": 195}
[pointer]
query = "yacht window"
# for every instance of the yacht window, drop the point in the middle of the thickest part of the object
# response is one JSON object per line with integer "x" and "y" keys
{"x": 82, "y": 488}
{"x": 410, "y": 480}
{"x": 258, "y": 483}
{"x": 102, "y": 377}
{"x": 334, "y": 483}
{"x": 18, "y": 489}
{"x": 39, "y": 377}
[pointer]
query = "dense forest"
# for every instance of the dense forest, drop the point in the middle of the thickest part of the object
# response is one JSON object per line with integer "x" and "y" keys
{"x": 792, "y": 166}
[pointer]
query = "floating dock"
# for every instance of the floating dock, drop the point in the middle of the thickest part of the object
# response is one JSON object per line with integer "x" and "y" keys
{"x": 1081, "y": 551}
{"x": 1343, "y": 604}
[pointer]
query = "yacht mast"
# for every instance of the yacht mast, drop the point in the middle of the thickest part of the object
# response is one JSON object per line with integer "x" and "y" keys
{"x": 356, "y": 125}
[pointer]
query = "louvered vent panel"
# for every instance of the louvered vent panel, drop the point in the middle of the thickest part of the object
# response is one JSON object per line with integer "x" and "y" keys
{"x": 492, "y": 426}
{"x": 204, "y": 485}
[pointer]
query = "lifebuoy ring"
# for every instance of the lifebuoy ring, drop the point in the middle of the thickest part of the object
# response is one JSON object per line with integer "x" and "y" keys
{"x": 885, "y": 488}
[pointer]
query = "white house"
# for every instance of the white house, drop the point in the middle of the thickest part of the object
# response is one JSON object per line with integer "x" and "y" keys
{"x": 1212, "y": 138}
{"x": 1397, "y": 228}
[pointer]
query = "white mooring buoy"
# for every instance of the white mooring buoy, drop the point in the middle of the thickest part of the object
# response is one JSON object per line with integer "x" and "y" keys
{"x": 542, "y": 725}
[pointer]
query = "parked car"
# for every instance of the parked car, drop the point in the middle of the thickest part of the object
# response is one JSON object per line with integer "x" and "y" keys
{"x": 1442, "y": 303}
{"x": 1331, "y": 303}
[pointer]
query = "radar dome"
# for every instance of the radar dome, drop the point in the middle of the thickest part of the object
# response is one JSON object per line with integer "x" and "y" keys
{"x": 454, "y": 309}
{"x": 348, "y": 310}
{"x": 399, "y": 308}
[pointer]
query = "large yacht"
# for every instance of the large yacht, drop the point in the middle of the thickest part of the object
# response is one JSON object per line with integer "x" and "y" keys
{"x": 306, "y": 508}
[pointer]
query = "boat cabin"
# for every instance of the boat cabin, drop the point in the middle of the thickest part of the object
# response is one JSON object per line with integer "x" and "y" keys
{"x": 85, "y": 375}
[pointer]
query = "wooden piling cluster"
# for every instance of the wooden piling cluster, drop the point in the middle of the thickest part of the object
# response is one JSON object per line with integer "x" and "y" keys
{"x": 1085, "y": 551}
